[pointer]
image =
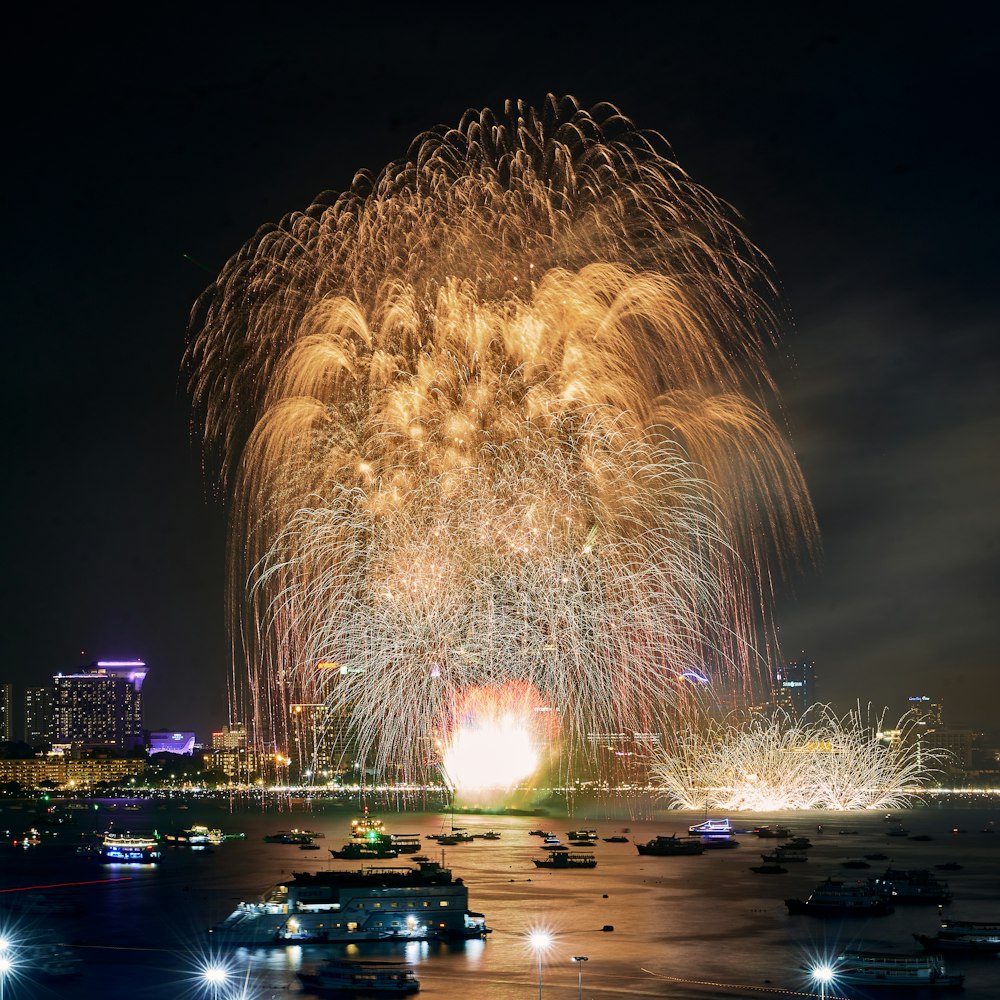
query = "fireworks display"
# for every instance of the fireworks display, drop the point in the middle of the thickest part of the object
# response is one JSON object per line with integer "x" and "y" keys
{"x": 498, "y": 416}
{"x": 772, "y": 762}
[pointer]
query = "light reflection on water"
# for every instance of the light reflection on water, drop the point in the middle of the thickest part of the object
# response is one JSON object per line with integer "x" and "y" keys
{"x": 702, "y": 920}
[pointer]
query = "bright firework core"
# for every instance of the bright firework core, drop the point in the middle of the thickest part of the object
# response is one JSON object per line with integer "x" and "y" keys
{"x": 499, "y": 415}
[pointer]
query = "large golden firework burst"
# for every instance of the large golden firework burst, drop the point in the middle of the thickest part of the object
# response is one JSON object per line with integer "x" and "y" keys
{"x": 498, "y": 415}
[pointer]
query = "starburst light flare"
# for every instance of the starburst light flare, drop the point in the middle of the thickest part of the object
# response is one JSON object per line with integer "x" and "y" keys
{"x": 498, "y": 415}
{"x": 776, "y": 761}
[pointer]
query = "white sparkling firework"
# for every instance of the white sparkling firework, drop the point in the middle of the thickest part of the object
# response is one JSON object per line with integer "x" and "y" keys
{"x": 775, "y": 762}
{"x": 499, "y": 415}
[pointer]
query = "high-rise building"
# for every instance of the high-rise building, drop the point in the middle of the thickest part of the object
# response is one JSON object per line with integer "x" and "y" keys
{"x": 100, "y": 705}
{"x": 6, "y": 712}
{"x": 38, "y": 717}
{"x": 925, "y": 711}
{"x": 795, "y": 685}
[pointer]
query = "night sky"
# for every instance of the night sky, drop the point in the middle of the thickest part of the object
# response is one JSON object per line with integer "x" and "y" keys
{"x": 143, "y": 148}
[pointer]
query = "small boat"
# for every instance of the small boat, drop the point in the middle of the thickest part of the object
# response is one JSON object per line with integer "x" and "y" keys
{"x": 539, "y": 833}
{"x": 855, "y": 863}
{"x": 839, "y": 899}
{"x": 769, "y": 869}
{"x": 488, "y": 835}
{"x": 796, "y": 844}
{"x": 866, "y": 968}
{"x": 560, "y": 859}
{"x": 287, "y": 837}
{"x": 582, "y": 835}
{"x": 551, "y": 841}
{"x": 667, "y": 847}
{"x": 615, "y": 840}
{"x": 308, "y": 847}
{"x": 375, "y": 978}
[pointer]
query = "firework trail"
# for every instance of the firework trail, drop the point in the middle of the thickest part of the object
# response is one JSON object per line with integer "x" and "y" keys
{"x": 819, "y": 761}
{"x": 498, "y": 416}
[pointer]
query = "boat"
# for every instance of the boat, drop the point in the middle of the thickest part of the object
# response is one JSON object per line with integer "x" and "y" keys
{"x": 718, "y": 843}
{"x": 833, "y": 898}
{"x": 615, "y": 840}
{"x": 969, "y": 937}
{"x": 855, "y": 863}
{"x": 564, "y": 859}
{"x": 288, "y": 837}
{"x": 582, "y": 835}
{"x": 488, "y": 835}
{"x": 308, "y": 847}
{"x": 780, "y": 856}
{"x": 539, "y": 833}
{"x": 362, "y": 852}
{"x": 712, "y": 828}
{"x": 417, "y": 903}
{"x": 124, "y": 848}
{"x": 671, "y": 846}
{"x": 868, "y": 968}
{"x": 913, "y": 885}
{"x": 769, "y": 869}
{"x": 796, "y": 844}
{"x": 378, "y": 978}
{"x": 950, "y": 866}
{"x": 773, "y": 831}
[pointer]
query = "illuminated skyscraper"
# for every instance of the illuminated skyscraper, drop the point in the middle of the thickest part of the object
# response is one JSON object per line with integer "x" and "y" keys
{"x": 795, "y": 685}
{"x": 100, "y": 706}
{"x": 6, "y": 712}
{"x": 38, "y": 717}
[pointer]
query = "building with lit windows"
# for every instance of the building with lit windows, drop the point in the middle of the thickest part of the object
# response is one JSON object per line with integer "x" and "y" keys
{"x": 6, "y": 712}
{"x": 38, "y": 717}
{"x": 795, "y": 686}
{"x": 100, "y": 707}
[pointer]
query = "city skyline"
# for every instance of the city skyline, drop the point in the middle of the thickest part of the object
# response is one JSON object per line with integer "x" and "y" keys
{"x": 818, "y": 133}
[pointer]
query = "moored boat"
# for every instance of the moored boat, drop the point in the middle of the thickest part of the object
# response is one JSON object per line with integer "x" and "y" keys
{"x": 127, "y": 849}
{"x": 909, "y": 972}
{"x": 563, "y": 859}
{"x": 373, "y": 978}
{"x": 671, "y": 846}
{"x": 832, "y": 898}
{"x": 964, "y": 937}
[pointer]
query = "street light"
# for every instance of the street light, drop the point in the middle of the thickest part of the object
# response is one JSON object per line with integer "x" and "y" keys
{"x": 540, "y": 942}
{"x": 5, "y": 967}
{"x": 580, "y": 959}
{"x": 823, "y": 974}
{"x": 215, "y": 977}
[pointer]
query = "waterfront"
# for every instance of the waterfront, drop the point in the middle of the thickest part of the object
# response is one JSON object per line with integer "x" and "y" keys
{"x": 680, "y": 923}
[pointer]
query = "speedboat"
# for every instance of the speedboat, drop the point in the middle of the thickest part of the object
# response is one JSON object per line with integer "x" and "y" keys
{"x": 867, "y": 968}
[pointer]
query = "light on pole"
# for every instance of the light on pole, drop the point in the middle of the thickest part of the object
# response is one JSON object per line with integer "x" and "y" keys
{"x": 215, "y": 977}
{"x": 824, "y": 975}
{"x": 540, "y": 942}
{"x": 580, "y": 959}
{"x": 5, "y": 967}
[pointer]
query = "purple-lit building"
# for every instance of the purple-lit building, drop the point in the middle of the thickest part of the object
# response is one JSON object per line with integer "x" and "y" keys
{"x": 169, "y": 741}
{"x": 100, "y": 706}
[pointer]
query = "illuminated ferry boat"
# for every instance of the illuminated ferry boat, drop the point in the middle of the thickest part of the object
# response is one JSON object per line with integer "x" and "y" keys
{"x": 909, "y": 972}
{"x": 374, "y": 978}
{"x": 712, "y": 828}
{"x": 411, "y": 903}
{"x": 913, "y": 885}
{"x": 126, "y": 849}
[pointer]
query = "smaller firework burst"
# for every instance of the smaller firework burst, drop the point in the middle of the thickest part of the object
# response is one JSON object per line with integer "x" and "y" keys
{"x": 819, "y": 761}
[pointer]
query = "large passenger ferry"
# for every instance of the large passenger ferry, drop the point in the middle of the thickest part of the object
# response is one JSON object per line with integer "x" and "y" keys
{"x": 413, "y": 903}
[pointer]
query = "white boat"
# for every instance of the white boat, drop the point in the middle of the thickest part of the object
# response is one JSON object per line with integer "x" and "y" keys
{"x": 712, "y": 828}
{"x": 969, "y": 937}
{"x": 377, "y": 978}
{"x": 868, "y": 968}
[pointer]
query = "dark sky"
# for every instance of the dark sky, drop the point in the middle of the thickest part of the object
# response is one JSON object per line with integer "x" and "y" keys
{"x": 144, "y": 147}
